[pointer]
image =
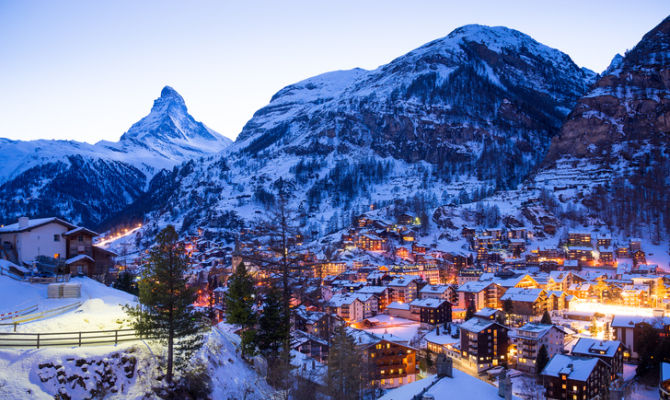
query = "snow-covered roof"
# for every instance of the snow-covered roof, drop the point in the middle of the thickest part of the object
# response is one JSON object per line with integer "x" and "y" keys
{"x": 576, "y": 368}
{"x": 34, "y": 223}
{"x": 81, "y": 229}
{"x": 372, "y": 289}
{"x": 434, "y": 289}
{"x": 589, "y": 346}
{"x": 487, "y": 312}
{"x": 522, "y": 294}
{"x": 476, "y": 324}
{"x": 442, "y": 339}
{"x": 474, "y": 286}
{"x": 403, "y": 280}
{"x": 629, "y": 321}
{"x": 428, "y": 303}
{"x": 78, "y": 258}
{"x": 461, "y": 385}
{"x": 342, "y": 299}
{"x": 398, "y": 306}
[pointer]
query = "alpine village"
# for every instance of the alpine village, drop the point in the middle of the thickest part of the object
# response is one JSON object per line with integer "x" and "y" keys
{"x": 480, "y": 218}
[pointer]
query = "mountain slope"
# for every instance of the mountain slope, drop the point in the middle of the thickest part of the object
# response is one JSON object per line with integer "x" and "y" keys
{"x": 452, "y": 120}
{"x": 612, "y": 153}
{"x": 86, "y": 183}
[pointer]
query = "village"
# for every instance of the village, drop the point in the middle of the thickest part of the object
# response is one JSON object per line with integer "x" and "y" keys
{"x": 565, "y": 321}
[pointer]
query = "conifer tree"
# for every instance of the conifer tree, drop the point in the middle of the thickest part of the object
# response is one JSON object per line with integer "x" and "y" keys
{"x": 542, "y": 358}
{"x": 546, "y": 318}
{"x": 470, "y": 312}
{"x": 345, "y": 378}
{"x": 271, "y": 331}
{"x": 240, "y": 299}
{"x": 166, "y": 310}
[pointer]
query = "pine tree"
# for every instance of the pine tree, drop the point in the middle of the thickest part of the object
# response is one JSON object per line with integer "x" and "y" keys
{"x": 344, "y": 367}
{"x": 126, "y": 282}
{"x": 271, "y": 331}
{"x": 239, "y": 306}
{"x": 542, "y": 359}
{"x": 166, "y": 303}
{"x": 546, "y": 318}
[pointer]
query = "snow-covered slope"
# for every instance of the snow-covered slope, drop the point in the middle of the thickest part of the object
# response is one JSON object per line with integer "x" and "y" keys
{"x": 88, "y": 182}
{"x": 452, "y": 120}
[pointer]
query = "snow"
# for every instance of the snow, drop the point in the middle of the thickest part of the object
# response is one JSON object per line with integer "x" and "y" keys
{"x": 576, "y": 368}
{"x": 101, "y": 307}
{"x": 461, "y": 385}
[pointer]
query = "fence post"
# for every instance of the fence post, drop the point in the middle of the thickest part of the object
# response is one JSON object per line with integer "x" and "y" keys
{"x": 116, "y": 337}
{"x": 79, "y": 338}
{"x": 15, "y": 323}
{"x": 38, "y": 340}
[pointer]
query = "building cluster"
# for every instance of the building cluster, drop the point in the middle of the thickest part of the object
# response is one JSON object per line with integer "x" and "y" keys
{"x": 47, "y": 248}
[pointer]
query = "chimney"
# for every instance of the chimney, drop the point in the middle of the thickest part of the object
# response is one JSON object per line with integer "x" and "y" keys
{"x": 23, "y": 222}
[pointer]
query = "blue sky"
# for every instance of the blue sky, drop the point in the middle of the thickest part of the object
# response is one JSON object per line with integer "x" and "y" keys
{"x": 87, "y": 70}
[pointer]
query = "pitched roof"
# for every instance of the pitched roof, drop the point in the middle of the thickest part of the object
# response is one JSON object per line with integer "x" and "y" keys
{"x": 477, "y": 324}
{"x": 522, "y": 294}
{"x": 78, "y": 258}
{"x": 427, "y": 303}
{"x": 629, "y": 321}
{"x": 576, "y": 368}
{"x": 34, "y": 223}
{"x": 589, "y": 346}
{"x": 81, "y": 229}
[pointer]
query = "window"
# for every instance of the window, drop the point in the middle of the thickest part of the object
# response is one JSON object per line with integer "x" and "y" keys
{"x": 56, "y": 238}
{"x": 80, "y": 238}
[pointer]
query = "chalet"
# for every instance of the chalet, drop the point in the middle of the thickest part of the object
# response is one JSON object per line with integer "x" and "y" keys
{"x": 530, "y": 338}
{"x": 483, "y": 343}
{"x": 331, "y": 268}
{"x": 610, "y": 351}
{"x": 53, "y": 241}
{"x": 409, "y": 219}
{"x": 635, "y": 245}
{"x": 316, "y": 323}
{"x": 468, "y": 233}
{"x": 446, "y": 292}
{"x": 382, "y": 293}
{"x": 495, "y": 233}
{"x": 518, "y": 233}
{"x": 628, "y": 329}
{"x": 491, "y": 314}
{"x": 390, "y": 364}
{"x": 639, "y": 257}
{"x": 310, "y": 345}
{"x": 371, "y": 242}
{"x": 468, "y": 274}
{"x": 481, "y": 294}
{"x": 400, "y": 310}
{"x": 579, "y": 239}
{"x": 353, "y": 306}
{"x": 526, "y": 303}
{"x": 570, "y": 377}
{"x": 404, "y": 288}
{"x": 431, "y": 311}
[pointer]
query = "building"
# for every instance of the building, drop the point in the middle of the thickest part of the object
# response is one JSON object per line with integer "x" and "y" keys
{"x": 404, "y": 288}
{"x": 389, "y": 364}
{"x": 483, "y": 343}
{"x": 530, "y": 338}
{"x": 610, "y": 351}
{"x": 570, "y": 377}
{"x": 353, "y": 306}
{"x": 310, "y": 345}
{"x": 483, "y": 294}
{"x": 431, "y": 311}
{"x": 526, "y": 303}
{"x": 446, "y": 292}
{"x": 627, "y": 329}
{"x": 51, "y": 244}
{"x": 579, "y": 239}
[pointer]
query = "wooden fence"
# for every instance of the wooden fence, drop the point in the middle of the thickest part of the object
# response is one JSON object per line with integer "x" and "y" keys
{"x": 87, "y": 338}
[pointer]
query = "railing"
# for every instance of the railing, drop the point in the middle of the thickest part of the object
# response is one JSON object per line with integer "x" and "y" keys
{"x": 67, "y": 338}
{"x": 17, "y": 313}
{"x": 22, "y": 319}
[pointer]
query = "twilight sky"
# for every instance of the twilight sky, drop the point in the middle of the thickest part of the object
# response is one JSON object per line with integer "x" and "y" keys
{"x": 87, "y": 70}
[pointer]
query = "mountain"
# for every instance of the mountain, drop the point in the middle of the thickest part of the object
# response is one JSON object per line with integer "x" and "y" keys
{"x": 451, "y": 121}
{"x": 612, "y": 155}
{"x": 86, "y": 183}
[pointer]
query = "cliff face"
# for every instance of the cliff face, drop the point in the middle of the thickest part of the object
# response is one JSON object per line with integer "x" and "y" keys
{"x": 627, "y": 110}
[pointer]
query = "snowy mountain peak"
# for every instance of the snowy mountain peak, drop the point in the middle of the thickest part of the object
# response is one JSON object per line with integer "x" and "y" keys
{"x": 169, "y": 127}
{"x": 169, "y": 97}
